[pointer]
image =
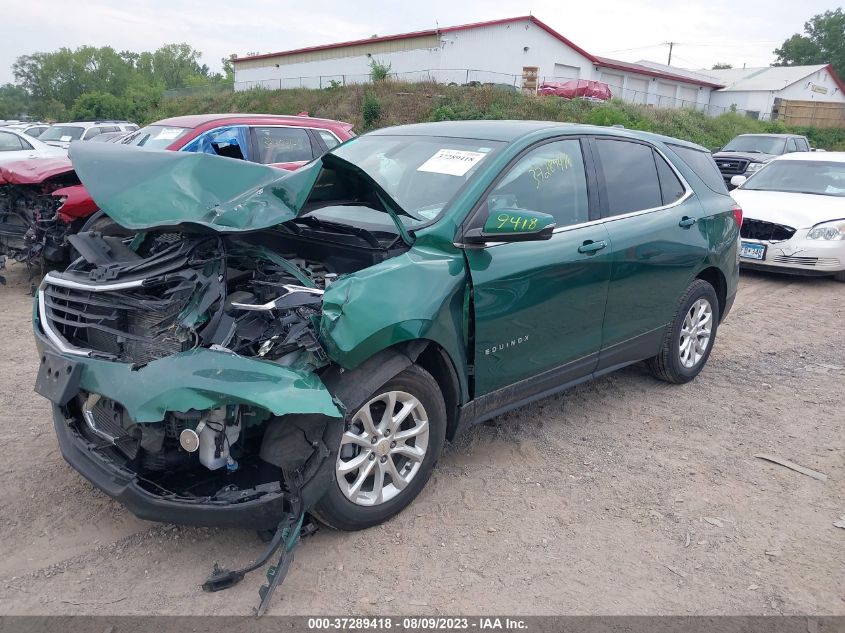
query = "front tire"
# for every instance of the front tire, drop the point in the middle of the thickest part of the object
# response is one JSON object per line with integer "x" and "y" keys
{"x": 689, "y": 339}
{"x": 387, "y": 453}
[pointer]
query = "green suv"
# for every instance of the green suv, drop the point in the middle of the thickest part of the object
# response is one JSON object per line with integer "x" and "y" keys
{"x": 268, "y": 344}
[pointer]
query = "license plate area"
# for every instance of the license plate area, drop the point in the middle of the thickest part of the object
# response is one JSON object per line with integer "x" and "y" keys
{"x": 751, "y": 250}
{"x": 58, "y": 378}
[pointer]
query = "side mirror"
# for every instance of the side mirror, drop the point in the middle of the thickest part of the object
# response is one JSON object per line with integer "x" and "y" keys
{"x": 736, "y": 181}
{"x": 512, "y": 225}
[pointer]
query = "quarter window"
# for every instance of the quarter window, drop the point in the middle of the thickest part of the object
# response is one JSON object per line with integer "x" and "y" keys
{"x": 703, "y": 165}
{"x": 91, "y": 133}
{"x": 549, "y": 179}
{"x": 671, "y": 187}
{"x": 803, "y": 146}
{"x": 328, "y": 138}
{"x": 630, "y": 176}
{"x": 283, "y": 145}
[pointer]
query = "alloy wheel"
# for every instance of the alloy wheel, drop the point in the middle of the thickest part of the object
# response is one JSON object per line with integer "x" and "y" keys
{"x": 382, "y": 449}
{"x": 695, "y": 333}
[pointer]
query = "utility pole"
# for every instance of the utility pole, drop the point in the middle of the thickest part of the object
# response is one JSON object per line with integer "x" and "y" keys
{"x": 671, "y": 46}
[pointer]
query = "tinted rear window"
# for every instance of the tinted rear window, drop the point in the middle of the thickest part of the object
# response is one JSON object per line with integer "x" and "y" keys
{"x": 703, "y": 165}
{"x": 630, "y": 176}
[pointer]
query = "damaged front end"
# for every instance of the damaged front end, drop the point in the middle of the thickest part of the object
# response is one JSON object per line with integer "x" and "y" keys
{"x": 31, "y": 229}
{"x": 187, "y": 363}
{"x": 184, "y": 364}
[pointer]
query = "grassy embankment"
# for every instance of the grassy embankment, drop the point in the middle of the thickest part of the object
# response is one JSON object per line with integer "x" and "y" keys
{"x": 389, "y": 103}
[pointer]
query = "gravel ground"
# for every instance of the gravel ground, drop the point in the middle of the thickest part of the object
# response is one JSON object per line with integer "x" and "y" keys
{"x": 622, "y": 496}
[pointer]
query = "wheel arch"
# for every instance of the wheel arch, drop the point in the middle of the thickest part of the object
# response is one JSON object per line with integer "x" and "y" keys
{"x": 352, "y": 386}
{"x": 717, "y": 279}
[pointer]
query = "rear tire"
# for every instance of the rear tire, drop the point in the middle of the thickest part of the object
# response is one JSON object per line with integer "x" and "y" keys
{"x": 369, "y": 451}
{"x": 689, "y": 339}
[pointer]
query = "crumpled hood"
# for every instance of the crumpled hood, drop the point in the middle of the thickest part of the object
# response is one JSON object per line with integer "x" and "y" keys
{"x": 141, "y": 189}
{"x": 33, "y": 170}
{"x": 798, "y": 210}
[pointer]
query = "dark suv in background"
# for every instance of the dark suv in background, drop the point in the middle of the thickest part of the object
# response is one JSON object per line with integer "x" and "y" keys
{"x": 746, "y": 154}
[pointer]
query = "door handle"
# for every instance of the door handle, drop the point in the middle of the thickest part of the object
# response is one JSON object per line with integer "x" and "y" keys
{"x": 589, "y": 247}
{"x": 686, "y": 222}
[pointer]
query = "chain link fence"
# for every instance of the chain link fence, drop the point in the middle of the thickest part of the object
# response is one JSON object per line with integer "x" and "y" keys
{"x": 461, "y": 77}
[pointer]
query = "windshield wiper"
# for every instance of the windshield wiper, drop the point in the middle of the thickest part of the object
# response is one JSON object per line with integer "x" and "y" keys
{"x": 357, "y": 231}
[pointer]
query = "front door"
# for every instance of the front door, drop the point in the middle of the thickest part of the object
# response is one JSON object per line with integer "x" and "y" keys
{"x": 539, "y": 305}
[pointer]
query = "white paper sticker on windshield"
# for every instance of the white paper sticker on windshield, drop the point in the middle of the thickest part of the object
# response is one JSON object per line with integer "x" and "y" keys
{"x": 454, "y": 162}
{"x": 66, "y": 139}
{"x": 169, "y": 133}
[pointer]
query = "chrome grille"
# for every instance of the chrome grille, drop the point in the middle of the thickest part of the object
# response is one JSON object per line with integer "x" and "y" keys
{"x": 816, "y": 262}
{"x": 768, "y": 231}
{"x": 732, "y": 166}
{"x": 120, "y": 324}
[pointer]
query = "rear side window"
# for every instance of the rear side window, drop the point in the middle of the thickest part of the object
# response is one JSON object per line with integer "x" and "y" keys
{"x": 10, "y": 142}
{"x": 803, "y": 146}
{"x": 630, "y": 176}
{"x": 283, "y": 145}
{"x": 791, "y": 146}
{"x": 91, "y": 133}
{"x": 671, "y": 187}
{"x": 703, "y": 165}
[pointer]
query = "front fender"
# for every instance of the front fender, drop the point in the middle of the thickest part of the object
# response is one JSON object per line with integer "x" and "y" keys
{"x": 417, "y": 295}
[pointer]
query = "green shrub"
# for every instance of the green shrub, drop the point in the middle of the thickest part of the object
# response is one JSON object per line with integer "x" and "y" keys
{"x": 370, "y": 110}
{"x": 379, "y": 71}
{"x": 93, "y": 106}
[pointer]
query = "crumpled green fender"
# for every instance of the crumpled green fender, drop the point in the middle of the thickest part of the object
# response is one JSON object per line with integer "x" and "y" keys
{"x": 417, "y": 295}
{"x": 204, "y": 379}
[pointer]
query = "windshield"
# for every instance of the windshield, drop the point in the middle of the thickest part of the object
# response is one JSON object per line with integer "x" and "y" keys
{"x": 154, "y": 136}
{"x": 822, "y": 178}
{"x": 756, "y": 145}
{"x": 421, "y": 173}
{"x": 62, "y": 133}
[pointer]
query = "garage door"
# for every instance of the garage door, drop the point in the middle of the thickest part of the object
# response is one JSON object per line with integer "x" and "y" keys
{"x": 614, "y": 81}
{"x": 564, "y": 72}
{"x": 688, "y": 96}
{"x": 636, "y": 90}
{"x": 666, "y": 92}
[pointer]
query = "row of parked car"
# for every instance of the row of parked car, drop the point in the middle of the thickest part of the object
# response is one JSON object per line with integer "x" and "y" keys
{"x": 794, "y": 203}
{"x": 235, "y": 345}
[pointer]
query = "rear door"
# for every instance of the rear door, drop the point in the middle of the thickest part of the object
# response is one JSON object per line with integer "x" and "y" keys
{"x": 539, "y": 305}
{"x": 658, "y": 243}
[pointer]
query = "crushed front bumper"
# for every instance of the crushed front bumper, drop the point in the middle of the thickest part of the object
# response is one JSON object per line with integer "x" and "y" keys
{"x": 201, "y": 379}
{"x": 122, "y": 485}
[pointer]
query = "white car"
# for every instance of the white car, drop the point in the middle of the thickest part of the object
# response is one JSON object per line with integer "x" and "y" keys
{"x": 15, "y": 145}
{"x": 62, "y": 134}
{"x": 794, "y": 215}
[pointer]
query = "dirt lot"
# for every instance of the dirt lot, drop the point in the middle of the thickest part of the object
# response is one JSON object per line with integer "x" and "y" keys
{"x": 624, "y": 496}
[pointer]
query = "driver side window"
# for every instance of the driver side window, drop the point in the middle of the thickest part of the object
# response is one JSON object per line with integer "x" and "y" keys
{"x": 549, "y": 179}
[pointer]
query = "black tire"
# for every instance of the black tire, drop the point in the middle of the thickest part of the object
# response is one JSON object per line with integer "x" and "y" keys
{"x": 103, "y": 224}
{"x": 667, "y": 365}
{"x": 338, "y": 511}
{"x": 840, "y": 276}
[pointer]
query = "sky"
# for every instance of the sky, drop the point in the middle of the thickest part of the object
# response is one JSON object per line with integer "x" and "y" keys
{"x": 706, "y": 31}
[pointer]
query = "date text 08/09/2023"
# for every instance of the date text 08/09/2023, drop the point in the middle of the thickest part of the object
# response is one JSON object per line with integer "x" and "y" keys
{"x": 416, "y": 623}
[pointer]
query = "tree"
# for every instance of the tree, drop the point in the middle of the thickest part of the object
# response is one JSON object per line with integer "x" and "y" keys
{"x": 94, "y": 106}
{"x": 13, "y": 101}
{"x": 822, "y": 43}
{"x": 721, "y": 66}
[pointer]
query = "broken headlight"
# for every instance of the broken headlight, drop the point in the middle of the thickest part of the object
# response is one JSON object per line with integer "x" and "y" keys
{"x": 828, "y": 231}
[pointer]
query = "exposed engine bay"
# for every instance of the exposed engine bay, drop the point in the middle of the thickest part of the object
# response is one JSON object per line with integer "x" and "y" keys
{"x": 29, "y": 225}
{"x": 166, "y": 292}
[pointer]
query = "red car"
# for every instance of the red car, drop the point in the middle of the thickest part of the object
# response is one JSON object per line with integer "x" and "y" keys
{"x": 41, "y": 200}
